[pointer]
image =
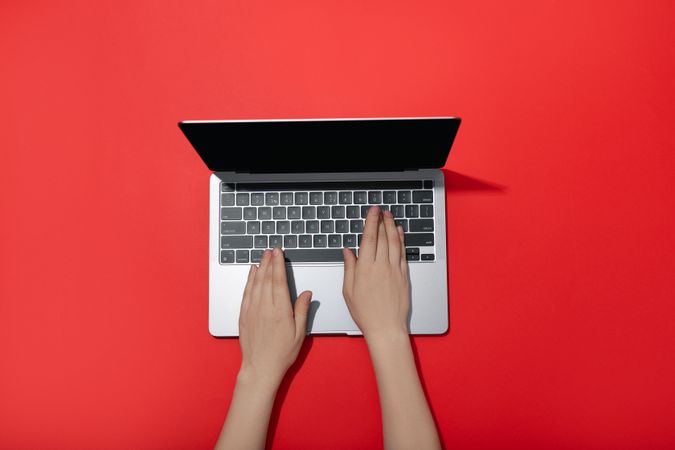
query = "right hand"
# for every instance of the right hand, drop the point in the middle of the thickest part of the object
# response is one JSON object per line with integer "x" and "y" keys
{"x": 376, "y": 285}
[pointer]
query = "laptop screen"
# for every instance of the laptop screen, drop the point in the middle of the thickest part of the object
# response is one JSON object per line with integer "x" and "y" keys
{"x": 322, "y": 145}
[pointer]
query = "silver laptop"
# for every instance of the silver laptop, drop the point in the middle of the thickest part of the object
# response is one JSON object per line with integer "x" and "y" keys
{"x": 305, "y": 185}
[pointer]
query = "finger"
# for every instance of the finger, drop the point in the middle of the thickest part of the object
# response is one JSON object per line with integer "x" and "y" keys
{"x": 401, "y": 235}
{"x": 350, "y": 266}
{"x": 369, "y": 240}
{"x": 280, "y": 293}
{"x": 246, "y": 299}
{"x": 267, "y": 294}
{"x": 393, "y": 238}
{"x": 382, "y": 253}
{"x": 263, "y": 268}
{"x": 301, "y": 311}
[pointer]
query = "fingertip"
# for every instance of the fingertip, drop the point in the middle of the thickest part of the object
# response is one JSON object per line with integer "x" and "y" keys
{"x": 388, "y": 214}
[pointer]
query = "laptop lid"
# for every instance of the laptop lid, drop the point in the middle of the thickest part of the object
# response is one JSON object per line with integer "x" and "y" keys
{"x": 322, "y": 145}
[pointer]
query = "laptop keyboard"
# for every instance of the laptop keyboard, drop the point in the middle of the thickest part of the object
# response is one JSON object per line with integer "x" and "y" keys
{"x": 313, "y": 221}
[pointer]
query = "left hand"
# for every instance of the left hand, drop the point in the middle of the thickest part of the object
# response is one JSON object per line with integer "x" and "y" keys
{"x": 271, "y": 332}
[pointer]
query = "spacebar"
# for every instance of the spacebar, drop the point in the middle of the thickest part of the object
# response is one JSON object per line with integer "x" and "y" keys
{"x": 313, "y": 255}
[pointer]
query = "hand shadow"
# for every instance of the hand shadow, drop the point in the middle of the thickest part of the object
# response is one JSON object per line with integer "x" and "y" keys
{"x": 285, "y": 385}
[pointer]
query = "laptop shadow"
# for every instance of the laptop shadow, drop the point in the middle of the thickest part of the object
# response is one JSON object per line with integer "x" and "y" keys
{"x": 459, "y": 183}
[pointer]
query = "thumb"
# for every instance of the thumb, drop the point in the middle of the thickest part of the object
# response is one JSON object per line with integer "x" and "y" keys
{"x": 350, "y": 267}
{"x": 301, "y": 309}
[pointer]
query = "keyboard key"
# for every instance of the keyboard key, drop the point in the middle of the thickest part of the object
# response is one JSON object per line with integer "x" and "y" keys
{"x": 309, "y": 212}
{"x": 412, "y": 211}
{"x": 236, "y": 242}
{"x": 294, "y": 212}
{"x": 403, "y": 223}
{"x": 271, "y": 198}
{"x": 330, "y": 198}
{"x": 301, "y": 198}
{"x": 356, "y": 226}
{"x": 421, "y": 225}
{"x": 242, "y": 200}
{"x": 279, "y": 212}
{"x": 323, "y": 212}
{"x": 283, "y": 227}
{"x": 398, "y": 211}
{"x": 374, "y": 197}
{"x": 286, "y": 198}
{"x": 428, "y": 184}
{"x": 265, "y": 213}
{"x": 250, "y": 213}
{"x": 233, "y": 213}
{"x": 297, "y": 227}
{"x": 384, "y": 208}
{"x": 257, "y": 199}
{"x": 312, "y": 226}
{"x": 349, "y": 240}
{"x": 227, "y": 187}
{"x": 423, "y": 196}
{"x": 268, "y": 227}
{"x": 319, "y": 240}
{"x": 389, "y": 197}
{"x": 419, "y": 239}
{"x": 315, "y": 198}
{"x": 428, "y": 257}
{"x": 345, "y": 198}
{"x": 337, "y": 212}
{"x": 253, "y": 227}
{"x": 256, "y": 255}
{"x": 305, "y": 240}
{"x": 232, "y": 227}
{"x": 290, "y": 241}
{"x": 360, "y": 198}
{"x": 227, "y": 256}
{"x": 353, "y": 212}
{"x": 314, "y": 255}
{"x": 335, "y": 240}
{"x": 342, "y": 226}
{"x": 276, "y": 241}
{"x": 412, "y": 254}
{"x": 242, "y": 256}
{"x": 227, "y": 200}
{"x": 426, "y": 210}
{"x": 364, "y": 211}
{"x": 260, "y": 241}
{"x": 404, "y": 197}
{"x": 327, "y": 226}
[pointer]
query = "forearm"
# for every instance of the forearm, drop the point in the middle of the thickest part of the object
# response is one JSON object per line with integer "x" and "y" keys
{"x": 249, "y": 413}
{"x": 406, "y": 417}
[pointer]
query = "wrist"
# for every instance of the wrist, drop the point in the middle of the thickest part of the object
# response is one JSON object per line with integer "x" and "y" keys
{"x": 384, "y": 339}
{"x": 249, "y": 377}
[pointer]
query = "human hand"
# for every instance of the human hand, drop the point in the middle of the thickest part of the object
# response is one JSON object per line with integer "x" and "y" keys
{"x": 376, "y": 285}
{"x": 270, "y": 331}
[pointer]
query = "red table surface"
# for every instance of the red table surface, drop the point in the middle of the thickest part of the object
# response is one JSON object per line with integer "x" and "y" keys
{"x": 560, "y": 216}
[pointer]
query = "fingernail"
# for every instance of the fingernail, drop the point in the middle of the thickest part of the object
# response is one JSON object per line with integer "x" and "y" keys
{"x": 388, "y": 214}
{"x": 374, "y": 209}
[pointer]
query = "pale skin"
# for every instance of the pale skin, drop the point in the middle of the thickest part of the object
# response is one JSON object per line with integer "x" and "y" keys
{"x": 377, "y": 292}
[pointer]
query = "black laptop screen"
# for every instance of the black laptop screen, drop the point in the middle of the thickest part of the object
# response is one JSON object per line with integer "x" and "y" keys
{"x": 325, "y": 145}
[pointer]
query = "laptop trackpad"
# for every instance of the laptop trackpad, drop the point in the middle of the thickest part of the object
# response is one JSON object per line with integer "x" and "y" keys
{"x": 328, "y": 312}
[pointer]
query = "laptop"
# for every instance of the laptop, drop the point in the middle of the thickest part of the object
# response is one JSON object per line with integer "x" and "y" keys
{"x": 306, "y": 185}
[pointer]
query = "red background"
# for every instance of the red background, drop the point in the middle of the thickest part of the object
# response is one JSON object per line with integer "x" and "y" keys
{"x": 560, "y": 215}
